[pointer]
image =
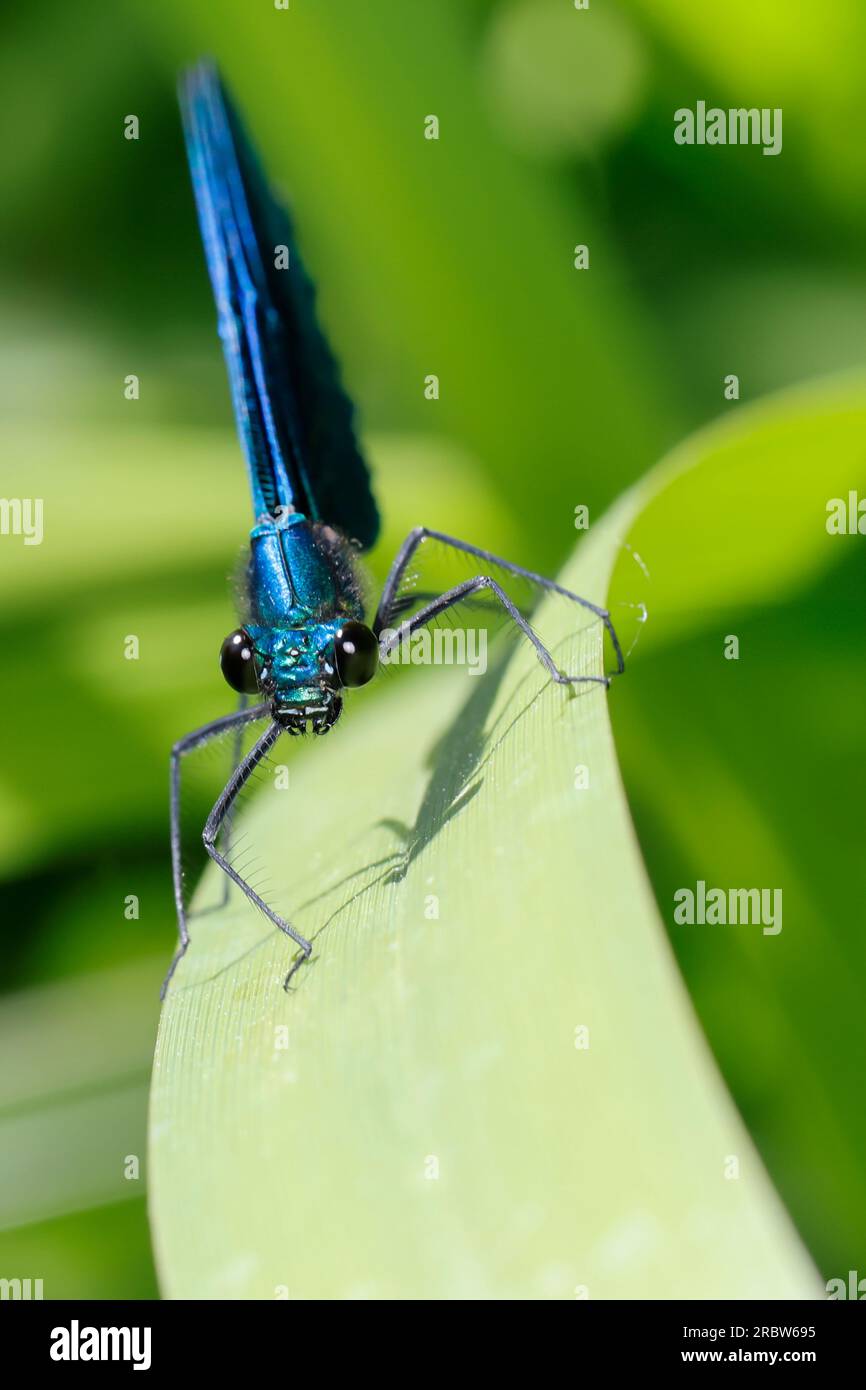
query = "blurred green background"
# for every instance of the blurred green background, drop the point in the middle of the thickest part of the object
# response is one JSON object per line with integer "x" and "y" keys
{"x": 557, "y": 387}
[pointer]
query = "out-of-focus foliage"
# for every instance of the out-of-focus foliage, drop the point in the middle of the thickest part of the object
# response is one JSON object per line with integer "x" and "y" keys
{"x": 559, "y": 89}
{"x": 451, "y": 257}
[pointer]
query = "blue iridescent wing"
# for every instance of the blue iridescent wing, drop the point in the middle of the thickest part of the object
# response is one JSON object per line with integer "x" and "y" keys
{"x": 293, "y": 417}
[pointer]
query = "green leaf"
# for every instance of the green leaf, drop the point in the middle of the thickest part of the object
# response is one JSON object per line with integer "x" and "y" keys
{"x": 418, "y": 1118}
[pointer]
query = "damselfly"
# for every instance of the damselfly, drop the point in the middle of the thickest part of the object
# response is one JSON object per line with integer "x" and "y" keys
{"x": 302, "y": 639}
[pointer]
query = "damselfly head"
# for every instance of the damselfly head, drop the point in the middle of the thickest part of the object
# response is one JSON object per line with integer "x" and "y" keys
{"x": 313, "y": 717}
{"x": 301, "y": 672}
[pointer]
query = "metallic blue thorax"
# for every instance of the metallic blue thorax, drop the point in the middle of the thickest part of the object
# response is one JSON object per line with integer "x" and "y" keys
{"x": 296, "y": 606}
{"x": 290, "y": 579}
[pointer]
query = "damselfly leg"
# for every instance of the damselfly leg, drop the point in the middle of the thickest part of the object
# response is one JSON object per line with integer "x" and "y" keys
{"x": 220, "y": 819}
{"x": 229, "y": 722}
{"x": 224, "y": 803}
{"x": 390, "y": 602}
{"x": 237, "y": 747}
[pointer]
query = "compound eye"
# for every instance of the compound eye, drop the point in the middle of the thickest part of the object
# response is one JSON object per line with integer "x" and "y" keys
{"x": 356, "y": 654}
{"x": 237, "y": 662}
